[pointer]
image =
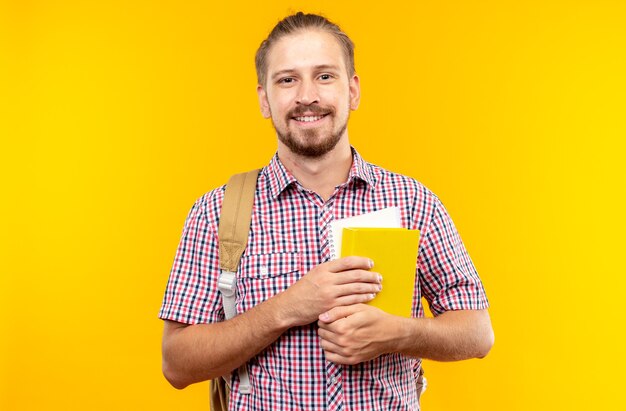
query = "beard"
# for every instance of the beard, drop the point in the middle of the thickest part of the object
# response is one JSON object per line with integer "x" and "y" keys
{"x": 311, "y": 143}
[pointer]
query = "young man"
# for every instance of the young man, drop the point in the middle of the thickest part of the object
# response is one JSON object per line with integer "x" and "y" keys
{"x": 302, "y": 329}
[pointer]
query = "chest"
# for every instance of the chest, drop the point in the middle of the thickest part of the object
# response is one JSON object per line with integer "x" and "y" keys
{"x": 290, "y": 235}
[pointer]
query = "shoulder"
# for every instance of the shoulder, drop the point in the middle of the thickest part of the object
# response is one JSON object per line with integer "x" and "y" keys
{"x": 209, "y": 205}
{"x": 207, "y": 208}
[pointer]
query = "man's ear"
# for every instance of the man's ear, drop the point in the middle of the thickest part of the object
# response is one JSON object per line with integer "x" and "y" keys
{"x": 355, "y": 92}
{"x": 263, "y": 103}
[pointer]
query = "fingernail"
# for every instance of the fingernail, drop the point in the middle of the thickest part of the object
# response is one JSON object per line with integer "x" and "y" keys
{"x": 371, "y": 263}
{"x": 380, "y": 287}
{"x": 380, "y": 278}
{"x": 372, "y": 296}
{"x": 324, "y": 317}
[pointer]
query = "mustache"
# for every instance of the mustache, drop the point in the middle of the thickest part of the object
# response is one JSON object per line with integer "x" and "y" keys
{"x": 313, "y": 109}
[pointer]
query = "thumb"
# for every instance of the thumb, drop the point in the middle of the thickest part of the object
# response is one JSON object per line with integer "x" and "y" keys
{"x": 338, "y": 313}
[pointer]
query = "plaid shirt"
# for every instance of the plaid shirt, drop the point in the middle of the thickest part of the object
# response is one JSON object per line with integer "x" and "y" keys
{"x": 289, "y": 235}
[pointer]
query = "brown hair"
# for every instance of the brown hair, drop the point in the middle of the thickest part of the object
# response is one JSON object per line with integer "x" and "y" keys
{"x": 300, "y": 22}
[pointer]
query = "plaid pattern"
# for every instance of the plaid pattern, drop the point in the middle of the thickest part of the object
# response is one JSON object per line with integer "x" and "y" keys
{"x": 288, "y": 237}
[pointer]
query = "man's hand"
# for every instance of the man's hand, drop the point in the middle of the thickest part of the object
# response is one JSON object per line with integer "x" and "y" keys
{"x": 356, "y": 333}
{"x": 341, "y": 282}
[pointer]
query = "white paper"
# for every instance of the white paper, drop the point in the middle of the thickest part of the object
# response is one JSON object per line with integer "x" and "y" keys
{"x": 386, "y": 218}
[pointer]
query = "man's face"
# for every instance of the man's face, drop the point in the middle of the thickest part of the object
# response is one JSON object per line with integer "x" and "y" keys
{"x": 308, "y": 93}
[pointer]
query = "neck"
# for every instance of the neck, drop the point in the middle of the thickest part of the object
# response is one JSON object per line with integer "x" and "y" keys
{"x": 321, "y": 174}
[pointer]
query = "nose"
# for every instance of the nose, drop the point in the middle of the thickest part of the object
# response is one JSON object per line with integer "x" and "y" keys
{"x": 307, "y": 93}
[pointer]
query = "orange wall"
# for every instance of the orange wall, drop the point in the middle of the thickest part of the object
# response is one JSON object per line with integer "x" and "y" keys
{"x": 115, "y": 116}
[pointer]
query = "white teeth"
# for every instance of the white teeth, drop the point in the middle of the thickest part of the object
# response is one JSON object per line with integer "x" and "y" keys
{"x": 309, "y": 118}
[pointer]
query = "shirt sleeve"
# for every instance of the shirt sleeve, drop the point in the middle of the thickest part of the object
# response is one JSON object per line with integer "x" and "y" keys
{"x": 448, "y": 279}
{"x": 192, "y": 294}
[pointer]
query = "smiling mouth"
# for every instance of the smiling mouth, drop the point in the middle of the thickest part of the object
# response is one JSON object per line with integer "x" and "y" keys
{"x": 309, "y": 119}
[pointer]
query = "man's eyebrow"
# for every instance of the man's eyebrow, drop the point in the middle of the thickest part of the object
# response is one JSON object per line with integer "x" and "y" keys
{"x": 281, "y": 72}
{"x": 327, "y": 67}
{"x": 319, "y": 67}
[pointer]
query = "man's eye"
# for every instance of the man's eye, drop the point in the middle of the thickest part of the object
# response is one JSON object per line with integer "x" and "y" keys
{"x": 325, "y": 77}
{"x": 286, "y": 80}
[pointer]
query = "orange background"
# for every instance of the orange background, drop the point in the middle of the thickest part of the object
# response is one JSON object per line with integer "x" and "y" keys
{"x": 115, "y": 116}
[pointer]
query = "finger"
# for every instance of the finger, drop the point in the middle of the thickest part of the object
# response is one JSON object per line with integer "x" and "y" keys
{"x": 353, "y": 299}
{"x": 331, "y": 347}
{"x": 327, "y": 328}
{"x": 326, "y": 334}
{"x": 337, "y": 313}
{"x": 357, "y": 288}
{"x": 359, "y": 276}
{"x": 350, "y": 263}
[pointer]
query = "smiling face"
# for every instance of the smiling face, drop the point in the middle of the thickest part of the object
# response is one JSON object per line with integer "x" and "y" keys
{"x": 308, "y": 93}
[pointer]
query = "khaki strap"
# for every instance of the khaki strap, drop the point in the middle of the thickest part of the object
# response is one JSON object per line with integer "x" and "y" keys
{"x": 235, "y": 218}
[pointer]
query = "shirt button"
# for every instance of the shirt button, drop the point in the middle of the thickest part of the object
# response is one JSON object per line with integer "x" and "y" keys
{"x": 333, "y": 380}
{"x": 264, "y": 270}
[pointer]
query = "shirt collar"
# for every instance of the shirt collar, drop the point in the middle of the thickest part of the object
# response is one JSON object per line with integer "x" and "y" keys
{"x": 361, "y": 169}
{"x": 279, "y": 178}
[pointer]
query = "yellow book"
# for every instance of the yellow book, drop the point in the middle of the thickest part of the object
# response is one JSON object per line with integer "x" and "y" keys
{"x": 394, "y": 252}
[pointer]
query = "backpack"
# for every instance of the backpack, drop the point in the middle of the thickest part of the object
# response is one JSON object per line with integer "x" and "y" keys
{"x": 234, "y": 226}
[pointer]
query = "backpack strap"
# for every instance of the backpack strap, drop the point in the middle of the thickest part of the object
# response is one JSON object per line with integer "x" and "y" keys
{"x": 235, "y": 219}
{"x": 234, "y": 226}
